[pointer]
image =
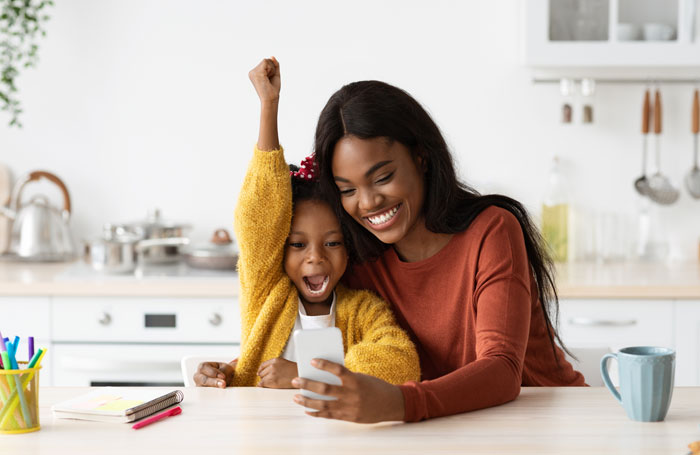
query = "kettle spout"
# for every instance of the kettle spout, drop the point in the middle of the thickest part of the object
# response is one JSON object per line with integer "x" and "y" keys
{"x": 11, "y": 214}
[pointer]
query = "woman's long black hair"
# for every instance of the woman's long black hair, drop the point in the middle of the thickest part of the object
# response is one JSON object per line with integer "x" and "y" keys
{"x": 370, "y": 109}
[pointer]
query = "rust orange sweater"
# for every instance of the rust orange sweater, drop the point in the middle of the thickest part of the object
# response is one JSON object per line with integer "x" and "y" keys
{"x": 473, "y": 312}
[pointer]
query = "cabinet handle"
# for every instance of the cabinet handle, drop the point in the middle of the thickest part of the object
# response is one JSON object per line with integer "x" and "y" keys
{"x": 105, "y": 319}
{"x": 590, "y": 322}
{"x": 215, "y": 319}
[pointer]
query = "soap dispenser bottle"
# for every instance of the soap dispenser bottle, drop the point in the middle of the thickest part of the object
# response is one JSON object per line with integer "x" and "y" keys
{"x": 555, "y": 214}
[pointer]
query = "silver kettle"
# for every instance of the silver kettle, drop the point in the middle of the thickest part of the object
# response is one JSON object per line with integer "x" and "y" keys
{"x": 40, "y": 232}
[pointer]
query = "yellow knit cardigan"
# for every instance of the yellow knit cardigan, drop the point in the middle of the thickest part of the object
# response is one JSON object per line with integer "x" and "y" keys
{"x": 374, "y": 344}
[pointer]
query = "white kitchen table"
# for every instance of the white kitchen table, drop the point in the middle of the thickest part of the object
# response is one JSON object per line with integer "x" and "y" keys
{"x": 542, "y": 420}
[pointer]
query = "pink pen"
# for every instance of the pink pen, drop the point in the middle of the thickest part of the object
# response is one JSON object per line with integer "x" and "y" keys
{"x": 155, "y": 418}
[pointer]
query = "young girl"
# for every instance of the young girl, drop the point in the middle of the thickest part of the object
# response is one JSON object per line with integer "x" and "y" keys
{"x": 289, "y": 277}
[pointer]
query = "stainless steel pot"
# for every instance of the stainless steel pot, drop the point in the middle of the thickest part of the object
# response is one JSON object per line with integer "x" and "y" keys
{"x": 40, "y": 232}
{"x": 121, "y": 251}
{"x": 153, "y": 228}
{"x": 220, "y": 253}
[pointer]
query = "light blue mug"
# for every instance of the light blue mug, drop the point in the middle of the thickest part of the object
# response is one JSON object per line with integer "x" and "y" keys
{"x": 646, "y": 381}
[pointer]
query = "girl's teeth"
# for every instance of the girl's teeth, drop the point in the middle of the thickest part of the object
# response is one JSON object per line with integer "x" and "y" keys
{"x": 381, "y": 219}
{"x": 320, "y": 291}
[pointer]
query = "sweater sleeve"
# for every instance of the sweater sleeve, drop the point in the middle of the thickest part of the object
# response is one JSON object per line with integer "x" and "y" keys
{"x": 261, "y": 223}
{"x": 503, "y": 310}
{"x": 379, "y": 346}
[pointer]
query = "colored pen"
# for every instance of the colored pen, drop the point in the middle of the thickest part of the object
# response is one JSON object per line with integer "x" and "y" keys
{"x": 30, "y": 340}
{"x": 2, "y": 343}
{"x": 18, "y": 383}
{"x": 170, "y": 412}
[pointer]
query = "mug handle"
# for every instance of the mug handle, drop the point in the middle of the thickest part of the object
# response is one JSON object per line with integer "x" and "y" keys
{"x": 606, "y": 377}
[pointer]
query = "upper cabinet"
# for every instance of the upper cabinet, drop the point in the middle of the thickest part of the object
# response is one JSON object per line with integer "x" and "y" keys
{"x": 612, "y": 33}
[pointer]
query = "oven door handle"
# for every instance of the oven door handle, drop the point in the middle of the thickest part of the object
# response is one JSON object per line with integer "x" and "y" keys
{"x": 102, "y": 365}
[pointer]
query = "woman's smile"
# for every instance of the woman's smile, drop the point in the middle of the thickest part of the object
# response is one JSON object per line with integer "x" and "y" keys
{"x": 384, "y": 219}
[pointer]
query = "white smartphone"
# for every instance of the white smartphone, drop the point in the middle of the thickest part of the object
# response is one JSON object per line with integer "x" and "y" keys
{"x": 324, "y": 344}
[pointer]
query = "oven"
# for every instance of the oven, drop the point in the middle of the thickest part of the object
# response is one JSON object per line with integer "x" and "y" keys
{"x": 138, "y": 341}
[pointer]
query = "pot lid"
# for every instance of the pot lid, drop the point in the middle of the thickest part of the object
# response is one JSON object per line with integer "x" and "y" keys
{"x": 220, "y": 245}
{"x": 119, "y": 234}
{"x": 155, "y": 221}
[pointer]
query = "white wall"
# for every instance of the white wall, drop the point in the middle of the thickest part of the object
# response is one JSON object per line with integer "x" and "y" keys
{"x": 140, "y": 104}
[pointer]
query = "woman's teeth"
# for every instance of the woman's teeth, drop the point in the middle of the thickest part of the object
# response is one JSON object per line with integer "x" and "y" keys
{"x": 321, "y": 286}
{"x": 384, "y": 217}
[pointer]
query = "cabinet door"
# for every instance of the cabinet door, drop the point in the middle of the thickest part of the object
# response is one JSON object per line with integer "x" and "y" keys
{"x": 610, "y": 33}
{"x": 25, "y": 317}
{"x": 615, "y": 324}
{"x": 688, "y": 343}
{"x": 144, "y": 365}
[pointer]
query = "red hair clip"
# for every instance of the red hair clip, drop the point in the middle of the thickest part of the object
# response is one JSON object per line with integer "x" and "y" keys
{"x": 307, "y": 170}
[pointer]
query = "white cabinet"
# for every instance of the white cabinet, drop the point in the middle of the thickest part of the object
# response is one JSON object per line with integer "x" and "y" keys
{"x": 615, "y": 324}
{"x": 687, "y": 342}
{"x": 25, "y": 317}
{"x": 138, "y": 340}
{"x": 612, "y": 33}
{"x": 121, "y": 340}
{"x": 95, "y": 364}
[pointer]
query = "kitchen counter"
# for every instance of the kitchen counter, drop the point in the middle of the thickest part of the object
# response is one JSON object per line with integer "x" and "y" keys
{"x": 629, "y": 280}
{"x": 541, "y": 421}
{"x": 575, "y": 280}
{"x": 79, "y": 279}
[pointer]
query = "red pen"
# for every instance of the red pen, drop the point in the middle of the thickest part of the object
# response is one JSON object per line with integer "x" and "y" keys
{"x": 155, "y": 418}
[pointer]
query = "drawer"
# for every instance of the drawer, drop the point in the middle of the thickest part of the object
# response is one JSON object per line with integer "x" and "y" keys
{"x": 616, "y": 323}
{"x": 25, "y": 316}
{"x": 146, "y": 320}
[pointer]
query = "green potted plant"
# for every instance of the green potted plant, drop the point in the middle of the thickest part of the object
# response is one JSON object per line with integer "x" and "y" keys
{"x": 21, "y": 25}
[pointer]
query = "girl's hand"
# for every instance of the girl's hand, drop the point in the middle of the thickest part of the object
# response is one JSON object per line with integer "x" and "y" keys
{"x": 266, "y": 80}
{"x": 215, "y": 374}
{"x": 361, "y": 398}
{"x": 277, "y": 373}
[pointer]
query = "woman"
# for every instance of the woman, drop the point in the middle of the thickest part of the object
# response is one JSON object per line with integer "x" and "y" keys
{"x": 467, "y": 275}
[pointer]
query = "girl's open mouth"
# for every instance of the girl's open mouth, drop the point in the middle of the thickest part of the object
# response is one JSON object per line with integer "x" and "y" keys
{"x": 316, "y": 284}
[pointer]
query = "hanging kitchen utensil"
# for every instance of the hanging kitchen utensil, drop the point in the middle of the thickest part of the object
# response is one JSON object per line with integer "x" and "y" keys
{"x": 40, "y": 232}
{"x": 692, "y": 179}
{"x": 642, "y": 183}
{"x": 219, "y": 253}
{"x": 661, "y": 190}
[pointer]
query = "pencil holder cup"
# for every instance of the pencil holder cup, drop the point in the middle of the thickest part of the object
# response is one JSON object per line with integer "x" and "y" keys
{"x": 19, "y": 397}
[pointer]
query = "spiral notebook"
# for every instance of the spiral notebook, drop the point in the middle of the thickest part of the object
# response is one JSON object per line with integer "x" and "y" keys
{"x": 116, "y": 404}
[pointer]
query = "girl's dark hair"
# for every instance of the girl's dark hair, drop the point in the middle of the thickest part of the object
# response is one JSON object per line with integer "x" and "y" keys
{"x": 310, "y": 190}
{"x": 371, "y": 109}
{"x": 306, "y": 190}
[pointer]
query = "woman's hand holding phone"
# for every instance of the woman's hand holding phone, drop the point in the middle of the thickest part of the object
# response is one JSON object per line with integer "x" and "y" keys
{"x": 361, "y": 398}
